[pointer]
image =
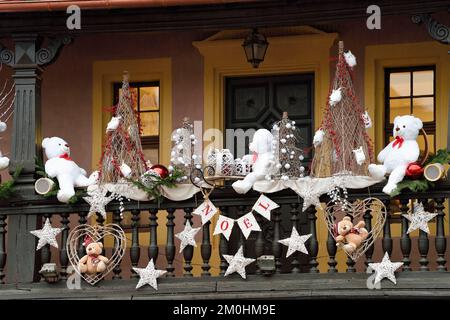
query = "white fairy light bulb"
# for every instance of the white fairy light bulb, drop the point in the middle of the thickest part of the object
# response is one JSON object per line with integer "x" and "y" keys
{"x": 192, "y": 136}
{"x": 301, "y": 157}
{"x": 302, "y": 169}
{"x": 291, "y": 157}
{"x": 284, "y": 178}
{"x": 283, "y": 150}
{"x": 198, "y": 166}
{"x": 288, "y": 125}
{"x": 293, "y": 122}
{"x": 283, "y": 141}
{"x": 180, "y": 146}
{"x": 292, "y": 152}
{"x": 278, "y": 165}
{"x": 194, "y": 156}
{"x": 287, "y": 166}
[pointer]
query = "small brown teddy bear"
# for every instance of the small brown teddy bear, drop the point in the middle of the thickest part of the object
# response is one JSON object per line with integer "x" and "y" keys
{"x": 93, "y": 261}
{"x": 348, "y": 236}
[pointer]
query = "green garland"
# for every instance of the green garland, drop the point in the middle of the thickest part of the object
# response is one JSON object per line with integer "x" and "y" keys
{"x": 158, "y": 182}
{"x": 442, "y": 156}
{"x": 7, "y": 188}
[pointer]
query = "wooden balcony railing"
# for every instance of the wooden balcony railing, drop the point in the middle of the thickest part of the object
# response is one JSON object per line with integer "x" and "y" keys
{"x": 231, "y": 204}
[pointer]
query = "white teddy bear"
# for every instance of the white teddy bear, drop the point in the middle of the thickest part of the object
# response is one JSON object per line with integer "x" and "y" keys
{"x": 261, "y": 160}
{"x": 398, "y": 154}
{"x": 61, "y": 166}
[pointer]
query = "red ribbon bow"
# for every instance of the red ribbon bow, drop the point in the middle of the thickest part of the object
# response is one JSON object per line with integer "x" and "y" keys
{"x": 66, "y": 157}
{"x": 95, "y": 259}
{"x": 398, "y": 141}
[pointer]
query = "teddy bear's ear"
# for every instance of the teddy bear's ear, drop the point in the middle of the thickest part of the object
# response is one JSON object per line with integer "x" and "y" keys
{"x": 100, "y": 245}
{"x": 396, "y": 118}
{"x": 418, "y": 123}
{"x": 347, "y": 218}
{"x": 45, "y": 142}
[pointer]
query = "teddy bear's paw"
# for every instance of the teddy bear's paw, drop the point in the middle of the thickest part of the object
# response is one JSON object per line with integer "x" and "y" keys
{"x": 389, "y": 188}
{"x": 348, "y": 248}
{"x": 376, "y": 171}
{"x": 241, "y": 186}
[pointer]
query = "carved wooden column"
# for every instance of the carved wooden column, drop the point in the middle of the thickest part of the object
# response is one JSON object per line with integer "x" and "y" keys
{"x": 26, "y": 60}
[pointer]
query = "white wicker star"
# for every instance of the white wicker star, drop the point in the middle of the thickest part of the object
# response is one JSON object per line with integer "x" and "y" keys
{"x": 187, "y": 236}
{"x": 46, "y": 235}
{"x": 295, "y": 242}
{"x": 148, "y": 275}
{"x": 237, "y": 263}
{"x": 385, "y": 269}
{"x": 419, "y": 218}
{"x": 98, "y": 200}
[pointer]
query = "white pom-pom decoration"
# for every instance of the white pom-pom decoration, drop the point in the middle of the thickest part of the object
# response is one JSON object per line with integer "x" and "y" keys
{"x": 287, "y": 166}
{"x": 192, "y": 136}
{"x": 288, "y": 125}
{"x": 284, "y": 178}
{"x": 350, "y": 59}
{"x": 278, "y": 165}
{"x": 335, "y": 96}
{"x": 3, "y": 126}
{"x": 318, "y": 138}
{"x": 301, "y": 157}
{"x": 283, "y": 150}
{"x": 283, "y": 141}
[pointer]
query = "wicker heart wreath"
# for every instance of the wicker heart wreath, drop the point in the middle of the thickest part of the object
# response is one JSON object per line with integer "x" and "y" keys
{"x": 76, "y": 242}
{"x": 335, "y": 212}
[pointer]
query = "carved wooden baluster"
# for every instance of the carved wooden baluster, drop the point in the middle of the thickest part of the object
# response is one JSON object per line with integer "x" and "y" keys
{"x": 223, "y": 247}
{"x": 332, "y": 249}
{"x": 206, "y": 249}
{"x": 313, "y": 243}
{"x": 153, "y": 249}
{"x": 170, "y": 243}
{"x": 100, "y": 220}
{"x": 241, "y": 212}
{"x": 423, "y": 244}
{"x": 276, "y": 245}
{"x": 188, "y": 252}
{"x": 387, "y": 238}
{"x": 405, "y": 240}
{"x": 440, "y": 241}
{"x": 369, "y": 251}
{"x": 135, "y": 250}
{"x": 259, "y": 243}
{"x": 46, "y": 254}
{"x": 2, "y": 248}
{"x": 82, "y": 220}
{"x": 117, "y": 219}
{"x": 63, "y": 255}
{"x": 294, "y": 223}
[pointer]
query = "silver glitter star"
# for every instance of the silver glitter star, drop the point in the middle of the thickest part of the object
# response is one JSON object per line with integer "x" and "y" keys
{"x": 385, "y": 269}
{"x": 47, "y": 235}
{"x": 187, "y": 236}
{"x": 310, "y": 191}
{"x": 237, "y": 263}
{"x": 98, "y": 200}
{"x": 148, "y": 275}
{"x": 419, "y": 218}
{"x": 295, "y": 242}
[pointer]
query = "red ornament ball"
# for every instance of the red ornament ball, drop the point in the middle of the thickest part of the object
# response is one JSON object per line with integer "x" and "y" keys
{"x": 161, "y": 170}
{"x": 414, "y": 171}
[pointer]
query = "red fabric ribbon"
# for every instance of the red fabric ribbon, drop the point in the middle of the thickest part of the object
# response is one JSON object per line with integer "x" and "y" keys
{"x": 94, "y": 258}
{"x": 66, "y": 157}
{"x": 398, "y": 141}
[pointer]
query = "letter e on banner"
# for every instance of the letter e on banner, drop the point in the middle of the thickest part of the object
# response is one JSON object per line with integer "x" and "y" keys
{"x": 206, "y": 210}
{"x": 224, "y": 226}
{"x": 248, "y": 224}
{"x": 264, "y": 205}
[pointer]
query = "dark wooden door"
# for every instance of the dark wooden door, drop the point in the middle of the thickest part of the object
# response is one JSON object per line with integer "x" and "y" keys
{"x": 258, "y": 102}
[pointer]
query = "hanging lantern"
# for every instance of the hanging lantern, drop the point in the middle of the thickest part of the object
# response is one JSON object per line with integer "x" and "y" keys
{"x": 255, "y": 47}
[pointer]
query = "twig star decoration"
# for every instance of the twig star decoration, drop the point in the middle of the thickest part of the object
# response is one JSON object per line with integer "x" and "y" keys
{"x": 148, "y": 275}
{"x": 187, "y": 236}
{"x": 47, "y": 235}
{"x": 385, "y": 269}
{"x": 98, "y": 200}
{"x": 295, "y": 242}
{"x": 419, "y": 218}
{"x": 237, "y": 263}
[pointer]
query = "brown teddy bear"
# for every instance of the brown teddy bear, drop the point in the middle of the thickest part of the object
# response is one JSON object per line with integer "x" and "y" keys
{"x": 93, "y": 261}
{"x": 348, "y": 236}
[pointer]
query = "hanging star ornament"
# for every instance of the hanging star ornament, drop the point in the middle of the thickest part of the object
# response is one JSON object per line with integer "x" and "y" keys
{"x": 311, "y": 191}
{"x": 237, "y": 263}
{"x": 148, "y": 275}
{"x": 295, "y": 243}
{"x": 419, "y": 218}
{"x": 47, "y": 235}
{"x": 187, "y": 236}
{"x": 98, "y": 200}
{"x": 385, "y": 269}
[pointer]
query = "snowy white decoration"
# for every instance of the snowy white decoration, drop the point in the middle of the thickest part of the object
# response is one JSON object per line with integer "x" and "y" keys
{"x": 419, "y": 218}
{"x": 295, "y": 242}
{"x": 125, "y": 170}
{"x": 335, "y": 96}
{"x": 4, "y": 162}
{"x": 3, "y": 126}
{"x": 385, "y": 269}
{"x": 318, "y": 137}
{"x": 367, "y": 120}
{"x": 148, "y": 275}
{"x": 187, "y": 236}
{"x": 237, "y": 263}
{"x": 98, "y": 200}
{"x": 350, "y": 59}
{"x": 359, "y": 155}
{"x": 46, "y": 235}
{"x": 113, "y": 124}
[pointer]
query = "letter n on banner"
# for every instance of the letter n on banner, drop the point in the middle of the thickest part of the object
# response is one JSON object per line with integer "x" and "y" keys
{"x": 206, "y": 210}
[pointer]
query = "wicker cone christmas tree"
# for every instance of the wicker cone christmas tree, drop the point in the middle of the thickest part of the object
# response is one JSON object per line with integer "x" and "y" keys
{"x": 342, "y": 145}
{"x": 122, "y": 155}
